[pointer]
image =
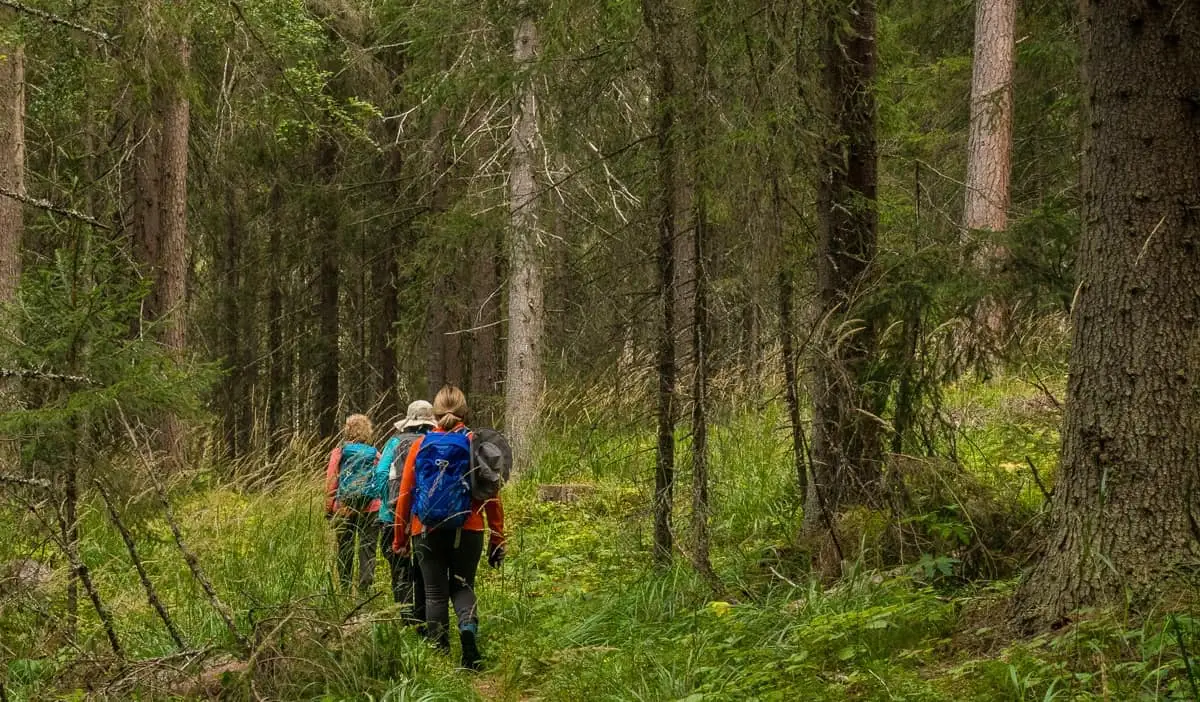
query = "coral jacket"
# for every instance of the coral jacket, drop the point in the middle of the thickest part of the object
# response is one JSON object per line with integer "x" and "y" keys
{"x": 491, "y": 508}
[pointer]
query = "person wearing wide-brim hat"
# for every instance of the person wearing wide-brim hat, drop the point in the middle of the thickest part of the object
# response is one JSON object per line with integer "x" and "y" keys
{"x": 407, "y": 586}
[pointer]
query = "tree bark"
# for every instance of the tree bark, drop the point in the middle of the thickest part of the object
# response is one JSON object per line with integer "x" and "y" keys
{"x": 160, "y": 222}
{"x": 386, "y": 276}
{"x": 12, "y": 165}
{"x": 1126, "y": 506}
{"x": 846, "y": 450}
{"x": 485, "y": 339}
{"x": 327, "y": 356}
{"x": 523, "y": 373}
{"x": 989, "y": 147}
{"x": 230, "y": 327}
{"x": 657, "y": 22}
{"x": 279, "y": 358}
{"x": 989, "y": 157}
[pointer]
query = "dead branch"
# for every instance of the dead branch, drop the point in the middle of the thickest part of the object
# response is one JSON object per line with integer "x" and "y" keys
{"x": 1037, "y": 478}
{"x": 148, "y": 586}
{"x": 46, "y": 204}
{"x": 55, "y": 19}
{"x": 193, "y": 564}
{"x": 43, "y": 375}
{"x": 85, "y": 577}
{"x": 31, "y": 482}
{"x": 190, "y": 558}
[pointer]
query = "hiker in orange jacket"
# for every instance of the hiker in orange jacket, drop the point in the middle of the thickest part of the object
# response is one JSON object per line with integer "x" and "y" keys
{"x": 434, "y": 504}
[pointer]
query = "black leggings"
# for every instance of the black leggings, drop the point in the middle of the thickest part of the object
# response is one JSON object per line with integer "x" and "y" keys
{"x": 407, "y": 585}
{"x": 448, "y": 560}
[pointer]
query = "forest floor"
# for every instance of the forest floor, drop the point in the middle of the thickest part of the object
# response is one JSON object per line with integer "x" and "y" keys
{"x": 579, "y": 613}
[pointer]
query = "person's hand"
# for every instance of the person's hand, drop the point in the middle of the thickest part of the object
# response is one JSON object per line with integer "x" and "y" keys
{"x": 496, "y": 555}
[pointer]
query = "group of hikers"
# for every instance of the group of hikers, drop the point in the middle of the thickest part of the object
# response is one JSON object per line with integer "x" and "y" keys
{"x": 425, "y": 500}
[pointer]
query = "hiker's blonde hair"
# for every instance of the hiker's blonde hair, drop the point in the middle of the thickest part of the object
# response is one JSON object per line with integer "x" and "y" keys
{"x": 358, "y": 429}
{"x": 450, "y": 407}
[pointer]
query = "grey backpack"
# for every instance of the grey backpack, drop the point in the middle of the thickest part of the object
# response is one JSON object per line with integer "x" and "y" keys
{"x": 491, "y": 463}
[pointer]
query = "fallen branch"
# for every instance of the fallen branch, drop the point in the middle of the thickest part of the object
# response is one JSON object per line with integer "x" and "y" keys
{"x": 193, "y": 564}
{"x": 50, "y": 206}
{"x": 55, "y": 19}
{"x": 151, "y": 594}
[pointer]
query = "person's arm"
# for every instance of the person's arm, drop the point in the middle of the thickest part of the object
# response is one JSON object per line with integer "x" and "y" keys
{"x": 331, "y": 480}
{"x": 404, "y": 499}
{"x": 496, "y": 551}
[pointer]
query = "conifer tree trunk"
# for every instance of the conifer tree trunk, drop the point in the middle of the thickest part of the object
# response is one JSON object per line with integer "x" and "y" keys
{"x": 12, "y": 164}
{"x": 485, "y": 340}
{"x": 657, "y": 20}
{"x": 523, "y": 374}
{"x": 327, "y": 357}
{"x": 230, "y": 330}
{"x": 278, "y": 375}
{"x": 846, "y": 450}
{"x": 989, "y": 152}
{"x": 1126, "y": 502}
{"x": 386, "y": 275}
{"x": 699, "y": 239}
{"x": 160, "y": 218}
{"x": 989, "y": 148}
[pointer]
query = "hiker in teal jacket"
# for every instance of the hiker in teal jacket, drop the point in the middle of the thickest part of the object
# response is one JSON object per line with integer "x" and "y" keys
{"x": 407, "y": 586}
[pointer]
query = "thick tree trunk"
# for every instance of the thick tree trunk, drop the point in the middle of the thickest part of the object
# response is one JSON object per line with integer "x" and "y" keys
{"x": 12, "y": 165}
{"x": 523, "y": 373}
{"x": 1127, "y": 500}
{"x": 160, "y": 223}
{"x": 846, "y": 450}
{"x": 989, "y": 148}
{"x": 989, "y": 157}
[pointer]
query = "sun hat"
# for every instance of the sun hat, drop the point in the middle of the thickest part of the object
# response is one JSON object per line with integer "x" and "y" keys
{"x": 420, "y": 413}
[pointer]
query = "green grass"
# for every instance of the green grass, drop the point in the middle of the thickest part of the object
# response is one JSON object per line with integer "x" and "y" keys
{"x": 579, "y": 613}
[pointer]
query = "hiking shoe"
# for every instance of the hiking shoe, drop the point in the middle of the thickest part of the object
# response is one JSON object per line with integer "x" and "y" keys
{"x": 471, "y": 659}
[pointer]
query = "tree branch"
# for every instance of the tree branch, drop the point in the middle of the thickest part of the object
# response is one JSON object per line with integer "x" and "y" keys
{"x": 50, "y": 206}
{"x": 44, "y": 375}
{"x": 55, "y": 19}
{"x": 31, "y": 482}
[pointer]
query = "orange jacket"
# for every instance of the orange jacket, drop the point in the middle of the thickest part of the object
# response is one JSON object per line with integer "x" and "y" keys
{"x": 405, "y": 519}
{"x": 331, "y": 484}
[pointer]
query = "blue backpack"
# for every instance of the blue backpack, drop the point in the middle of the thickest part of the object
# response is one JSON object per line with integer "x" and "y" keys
{"x": 443, "y": 490}
{"x": 356, "y": 476}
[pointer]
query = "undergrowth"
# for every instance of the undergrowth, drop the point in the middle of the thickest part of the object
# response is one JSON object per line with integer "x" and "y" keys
{"x": 578, "y": 612}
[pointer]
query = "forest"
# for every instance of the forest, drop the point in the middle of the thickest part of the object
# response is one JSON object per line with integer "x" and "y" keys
{"x": 847, "y": 349}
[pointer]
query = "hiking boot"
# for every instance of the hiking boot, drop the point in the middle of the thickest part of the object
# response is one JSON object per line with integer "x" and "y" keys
{"x": 471, "y": 659}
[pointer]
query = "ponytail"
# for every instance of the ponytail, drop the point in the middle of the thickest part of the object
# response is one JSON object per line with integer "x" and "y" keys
{"x": 450, "y": 407}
